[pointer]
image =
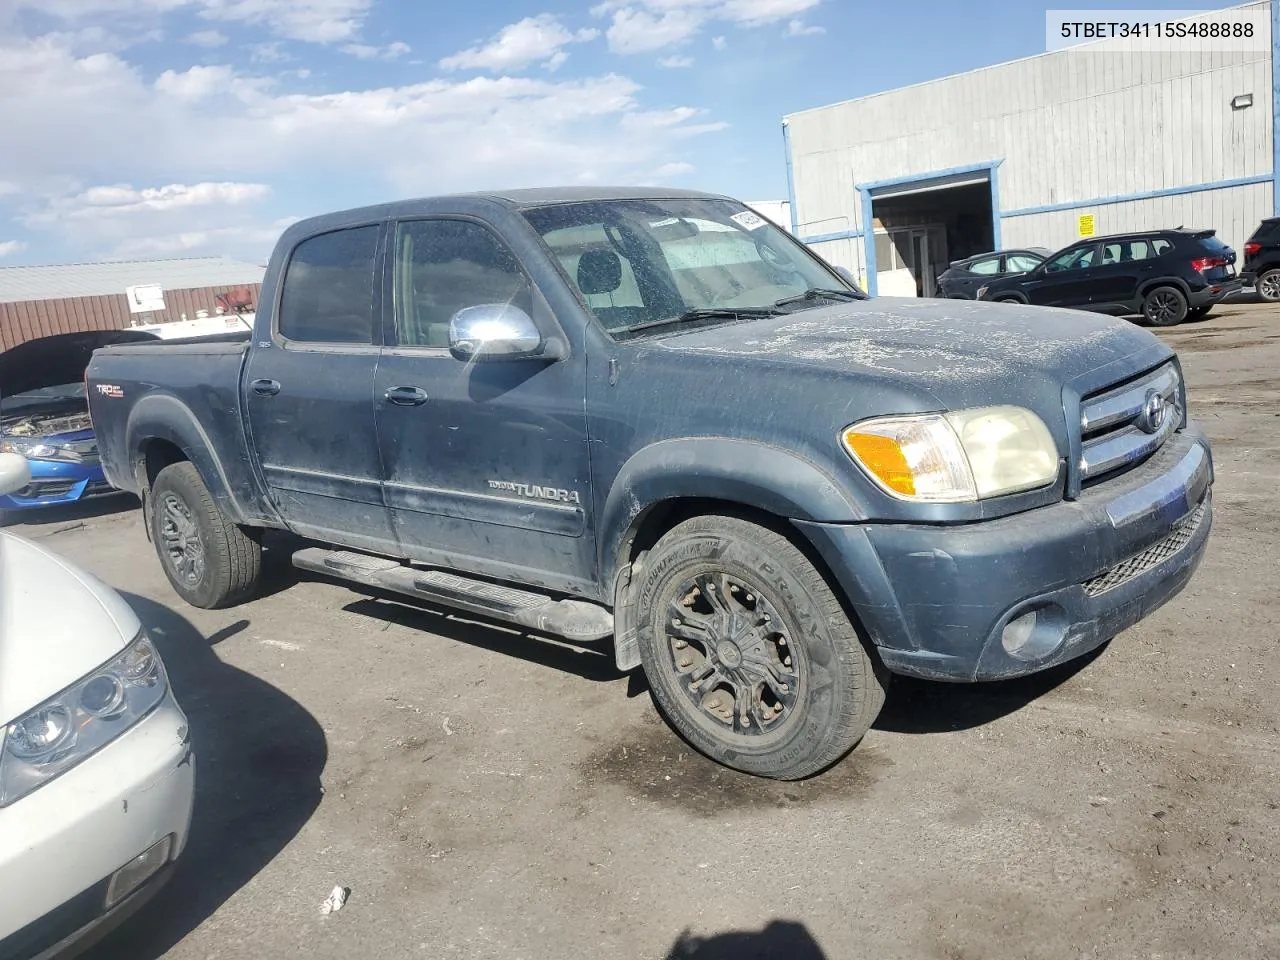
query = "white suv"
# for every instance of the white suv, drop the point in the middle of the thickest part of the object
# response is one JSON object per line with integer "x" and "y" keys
{"x": 96, "y": 769}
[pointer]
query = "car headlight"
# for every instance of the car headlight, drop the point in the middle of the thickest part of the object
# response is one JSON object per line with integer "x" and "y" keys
{"x": 79, "y": 721}
{"x": 982, "y": 291}
{"x": 955, "y": 457}
{"x": 38, "y": 449}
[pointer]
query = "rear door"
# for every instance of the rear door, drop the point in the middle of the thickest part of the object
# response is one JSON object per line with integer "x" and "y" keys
{"x": 309, "y": 392}
{"x": 978, "y": 273}
{"x": 486, "y": 464}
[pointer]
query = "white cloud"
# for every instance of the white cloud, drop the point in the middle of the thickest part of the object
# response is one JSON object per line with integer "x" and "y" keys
{"x": 719, "y": 42}
{"x": 798, "y": 28}
{"x": 251, "y": 241}
{"x": 207, "y": 38}
{"x": 364, "y": 51}
{"x": 675, "y": 63}
{"x": 9, "y": 247}
{"x": 268, "y": 53}
{"x": 539, "y": 39}
{"x": 316, "y": 21}
{"x": 674, "y": 169}
{"x": 639, "y": 26}
{"x": 219, "y": 137}
{"x": 639, "y": 31}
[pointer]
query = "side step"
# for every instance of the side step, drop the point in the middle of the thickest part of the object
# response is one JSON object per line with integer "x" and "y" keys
{"x": 571, "y": 619}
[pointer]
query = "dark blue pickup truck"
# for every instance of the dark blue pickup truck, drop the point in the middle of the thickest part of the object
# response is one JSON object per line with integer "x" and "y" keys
{"x": 653, "y": 415}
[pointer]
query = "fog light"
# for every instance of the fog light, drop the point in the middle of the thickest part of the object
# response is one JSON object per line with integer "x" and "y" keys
{"x": 138, "y": 871}
{"x": 1035, "y": 634}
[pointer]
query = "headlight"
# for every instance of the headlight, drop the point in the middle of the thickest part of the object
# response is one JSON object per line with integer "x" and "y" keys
{"x": 955, "y": 457}
{"x": 68, "y": 728}
{"x": 37, "y": 449}
{"x": 981, "y": 291}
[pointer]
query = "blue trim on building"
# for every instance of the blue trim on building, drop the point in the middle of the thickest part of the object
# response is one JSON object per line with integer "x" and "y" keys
{"x": 930, "y": 175}
{"x": 1275, "y": 107}
{"x": 828, "y": 237}
{"x": 791, "y": 183}
{"x": 1131, "y": 197}
{"x": 869, "y": 243}
{"x": 993, "y": 182}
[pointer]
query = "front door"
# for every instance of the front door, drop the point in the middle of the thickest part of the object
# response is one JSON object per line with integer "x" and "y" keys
{"x": 309, "y": 393}
{"x": 1066, "y": 279}
{"x": 486, "y": 463}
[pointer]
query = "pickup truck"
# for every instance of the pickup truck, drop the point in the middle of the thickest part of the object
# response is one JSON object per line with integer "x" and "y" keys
{"x": 652, "y": 415}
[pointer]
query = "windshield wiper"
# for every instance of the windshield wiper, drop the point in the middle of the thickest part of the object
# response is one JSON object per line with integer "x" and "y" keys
{"x": 818, "y": 293}
{"x": 705, "y": 313}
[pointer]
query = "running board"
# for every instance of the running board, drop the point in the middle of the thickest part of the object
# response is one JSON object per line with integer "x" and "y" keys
{"x": 571, "y": 619}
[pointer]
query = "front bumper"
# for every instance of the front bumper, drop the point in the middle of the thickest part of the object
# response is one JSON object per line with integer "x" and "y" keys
{"x": 58, "y": 481}
{"x": 936, "y": 599}
{"x": 61, "y": 845}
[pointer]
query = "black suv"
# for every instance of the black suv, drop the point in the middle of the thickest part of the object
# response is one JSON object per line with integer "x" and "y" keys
{"x": 961, "y": 280}
{"x": 1262, "y": 260}
{"x": 1166, "y": 276}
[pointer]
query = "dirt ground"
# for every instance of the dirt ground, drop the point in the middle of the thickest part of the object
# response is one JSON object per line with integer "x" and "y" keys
{"x": 489, "y": 795}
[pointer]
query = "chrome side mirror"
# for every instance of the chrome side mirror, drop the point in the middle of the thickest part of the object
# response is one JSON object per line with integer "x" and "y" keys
{"x": 493, "y": 331}
{"x": 15, "y": 473}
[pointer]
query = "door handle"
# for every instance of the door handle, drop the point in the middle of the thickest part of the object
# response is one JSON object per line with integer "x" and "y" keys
{"x": 265, "y": 388}
{"x": 406, "y": 396}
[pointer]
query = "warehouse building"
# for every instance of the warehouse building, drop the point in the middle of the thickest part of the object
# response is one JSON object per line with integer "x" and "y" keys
{"x": 45, "y": 300}
{"x": 1095, "y": 139}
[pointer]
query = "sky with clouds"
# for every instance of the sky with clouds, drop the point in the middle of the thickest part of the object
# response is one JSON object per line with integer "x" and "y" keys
{"x": 162, "y": 128}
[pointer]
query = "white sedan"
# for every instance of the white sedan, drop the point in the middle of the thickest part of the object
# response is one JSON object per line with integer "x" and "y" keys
{"x": 96, "y": 769}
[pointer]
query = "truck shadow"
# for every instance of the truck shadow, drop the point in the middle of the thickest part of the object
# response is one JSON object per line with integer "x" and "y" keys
{"x": 591, "y": 661}
{"x": 779, "y": 940}
{"x": 37, "y": 520}
{"x": 259, "y": 759}
{"x": 927, "y": 706}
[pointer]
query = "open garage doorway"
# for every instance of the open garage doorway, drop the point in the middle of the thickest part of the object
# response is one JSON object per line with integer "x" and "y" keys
{"x": 921, "y": 226}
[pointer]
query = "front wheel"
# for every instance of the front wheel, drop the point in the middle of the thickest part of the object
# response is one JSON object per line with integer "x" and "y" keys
{"x": 1164, "y": 307}
{"x": 210, "y": 561}
{"x": 1268, "y": 285}
{"x": 750, "y": 656}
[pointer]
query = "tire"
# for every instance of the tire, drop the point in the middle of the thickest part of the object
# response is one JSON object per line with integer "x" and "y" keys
{"x": 1268, "y": 285}
{"x": 832, "y": 685}
{"x": 1164, "y": 307}
{"x": 1007, "y": 300}
{"x": 210, "y": 562}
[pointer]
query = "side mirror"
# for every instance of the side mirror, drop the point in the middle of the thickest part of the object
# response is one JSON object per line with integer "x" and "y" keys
{"x": 493, "y": 331}
{"x": 847, "y": 274}
{"x": 15, "y": 473}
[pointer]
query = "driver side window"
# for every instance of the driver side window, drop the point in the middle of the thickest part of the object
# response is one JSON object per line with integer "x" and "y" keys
{"x": 443, "y": 266}
{"x": 1076, "y": 258}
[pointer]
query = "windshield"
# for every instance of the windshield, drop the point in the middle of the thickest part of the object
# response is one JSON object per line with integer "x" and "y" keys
{"x": 648, "y": 264}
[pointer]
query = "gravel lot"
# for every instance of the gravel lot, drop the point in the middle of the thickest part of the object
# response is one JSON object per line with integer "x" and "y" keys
{"x": 486, "y": 794}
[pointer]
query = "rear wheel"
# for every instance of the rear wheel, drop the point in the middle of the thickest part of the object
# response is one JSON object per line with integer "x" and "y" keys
{"x": 1268, "y": 285}
{"x": 210, "y": 561}
{"x": 1165, "y": 307}
{"x": 1007, "y": 300}
{"x": 750, "y": 656}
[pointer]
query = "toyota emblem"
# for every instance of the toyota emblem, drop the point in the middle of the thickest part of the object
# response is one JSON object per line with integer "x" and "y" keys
{"x": 1154, "y": 412}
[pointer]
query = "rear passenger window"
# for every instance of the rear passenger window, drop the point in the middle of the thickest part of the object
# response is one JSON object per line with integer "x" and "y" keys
{"x": 1160, "y": 247}
{"x": 985, "y": 267}
{"x": 328, "y": 288}
{"x": 443, "y": 266}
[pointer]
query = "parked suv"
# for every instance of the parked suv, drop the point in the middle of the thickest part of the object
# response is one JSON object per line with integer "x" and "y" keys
{"x": 1262, "y": 260}
{"x": 1167, "y": 276}
{"x": 961, "y": 280}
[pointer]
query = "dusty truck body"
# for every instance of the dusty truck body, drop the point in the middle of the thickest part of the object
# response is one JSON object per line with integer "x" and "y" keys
{"x": 655, "y": 416}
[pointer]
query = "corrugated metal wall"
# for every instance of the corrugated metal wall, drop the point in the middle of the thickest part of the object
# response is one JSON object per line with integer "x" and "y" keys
{"x": 31, "y": 319}
{"x": 1070, "y": 127}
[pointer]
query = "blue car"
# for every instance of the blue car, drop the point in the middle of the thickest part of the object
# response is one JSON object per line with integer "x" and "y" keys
{"x": 44, "y": 416}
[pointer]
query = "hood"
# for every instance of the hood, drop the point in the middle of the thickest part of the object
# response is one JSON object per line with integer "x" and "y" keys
{"x": 57, "y": 623}
{"x": 961, "y": 351}
{"x": 62, "y": 358}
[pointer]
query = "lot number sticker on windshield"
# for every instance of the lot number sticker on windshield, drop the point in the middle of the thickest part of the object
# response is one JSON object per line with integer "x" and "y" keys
{"x": 748, "y": 220}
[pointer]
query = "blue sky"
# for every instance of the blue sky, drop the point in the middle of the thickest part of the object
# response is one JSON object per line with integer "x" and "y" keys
{"x": 156, "y": 128}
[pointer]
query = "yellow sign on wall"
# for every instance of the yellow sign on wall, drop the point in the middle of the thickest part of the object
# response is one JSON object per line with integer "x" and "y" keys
{"x": 1084, "y": 227}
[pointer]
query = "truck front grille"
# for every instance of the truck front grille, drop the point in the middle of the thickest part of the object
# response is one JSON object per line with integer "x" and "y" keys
{"x": 1124, "y": 425}
{"x": 1153, "y": 556}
